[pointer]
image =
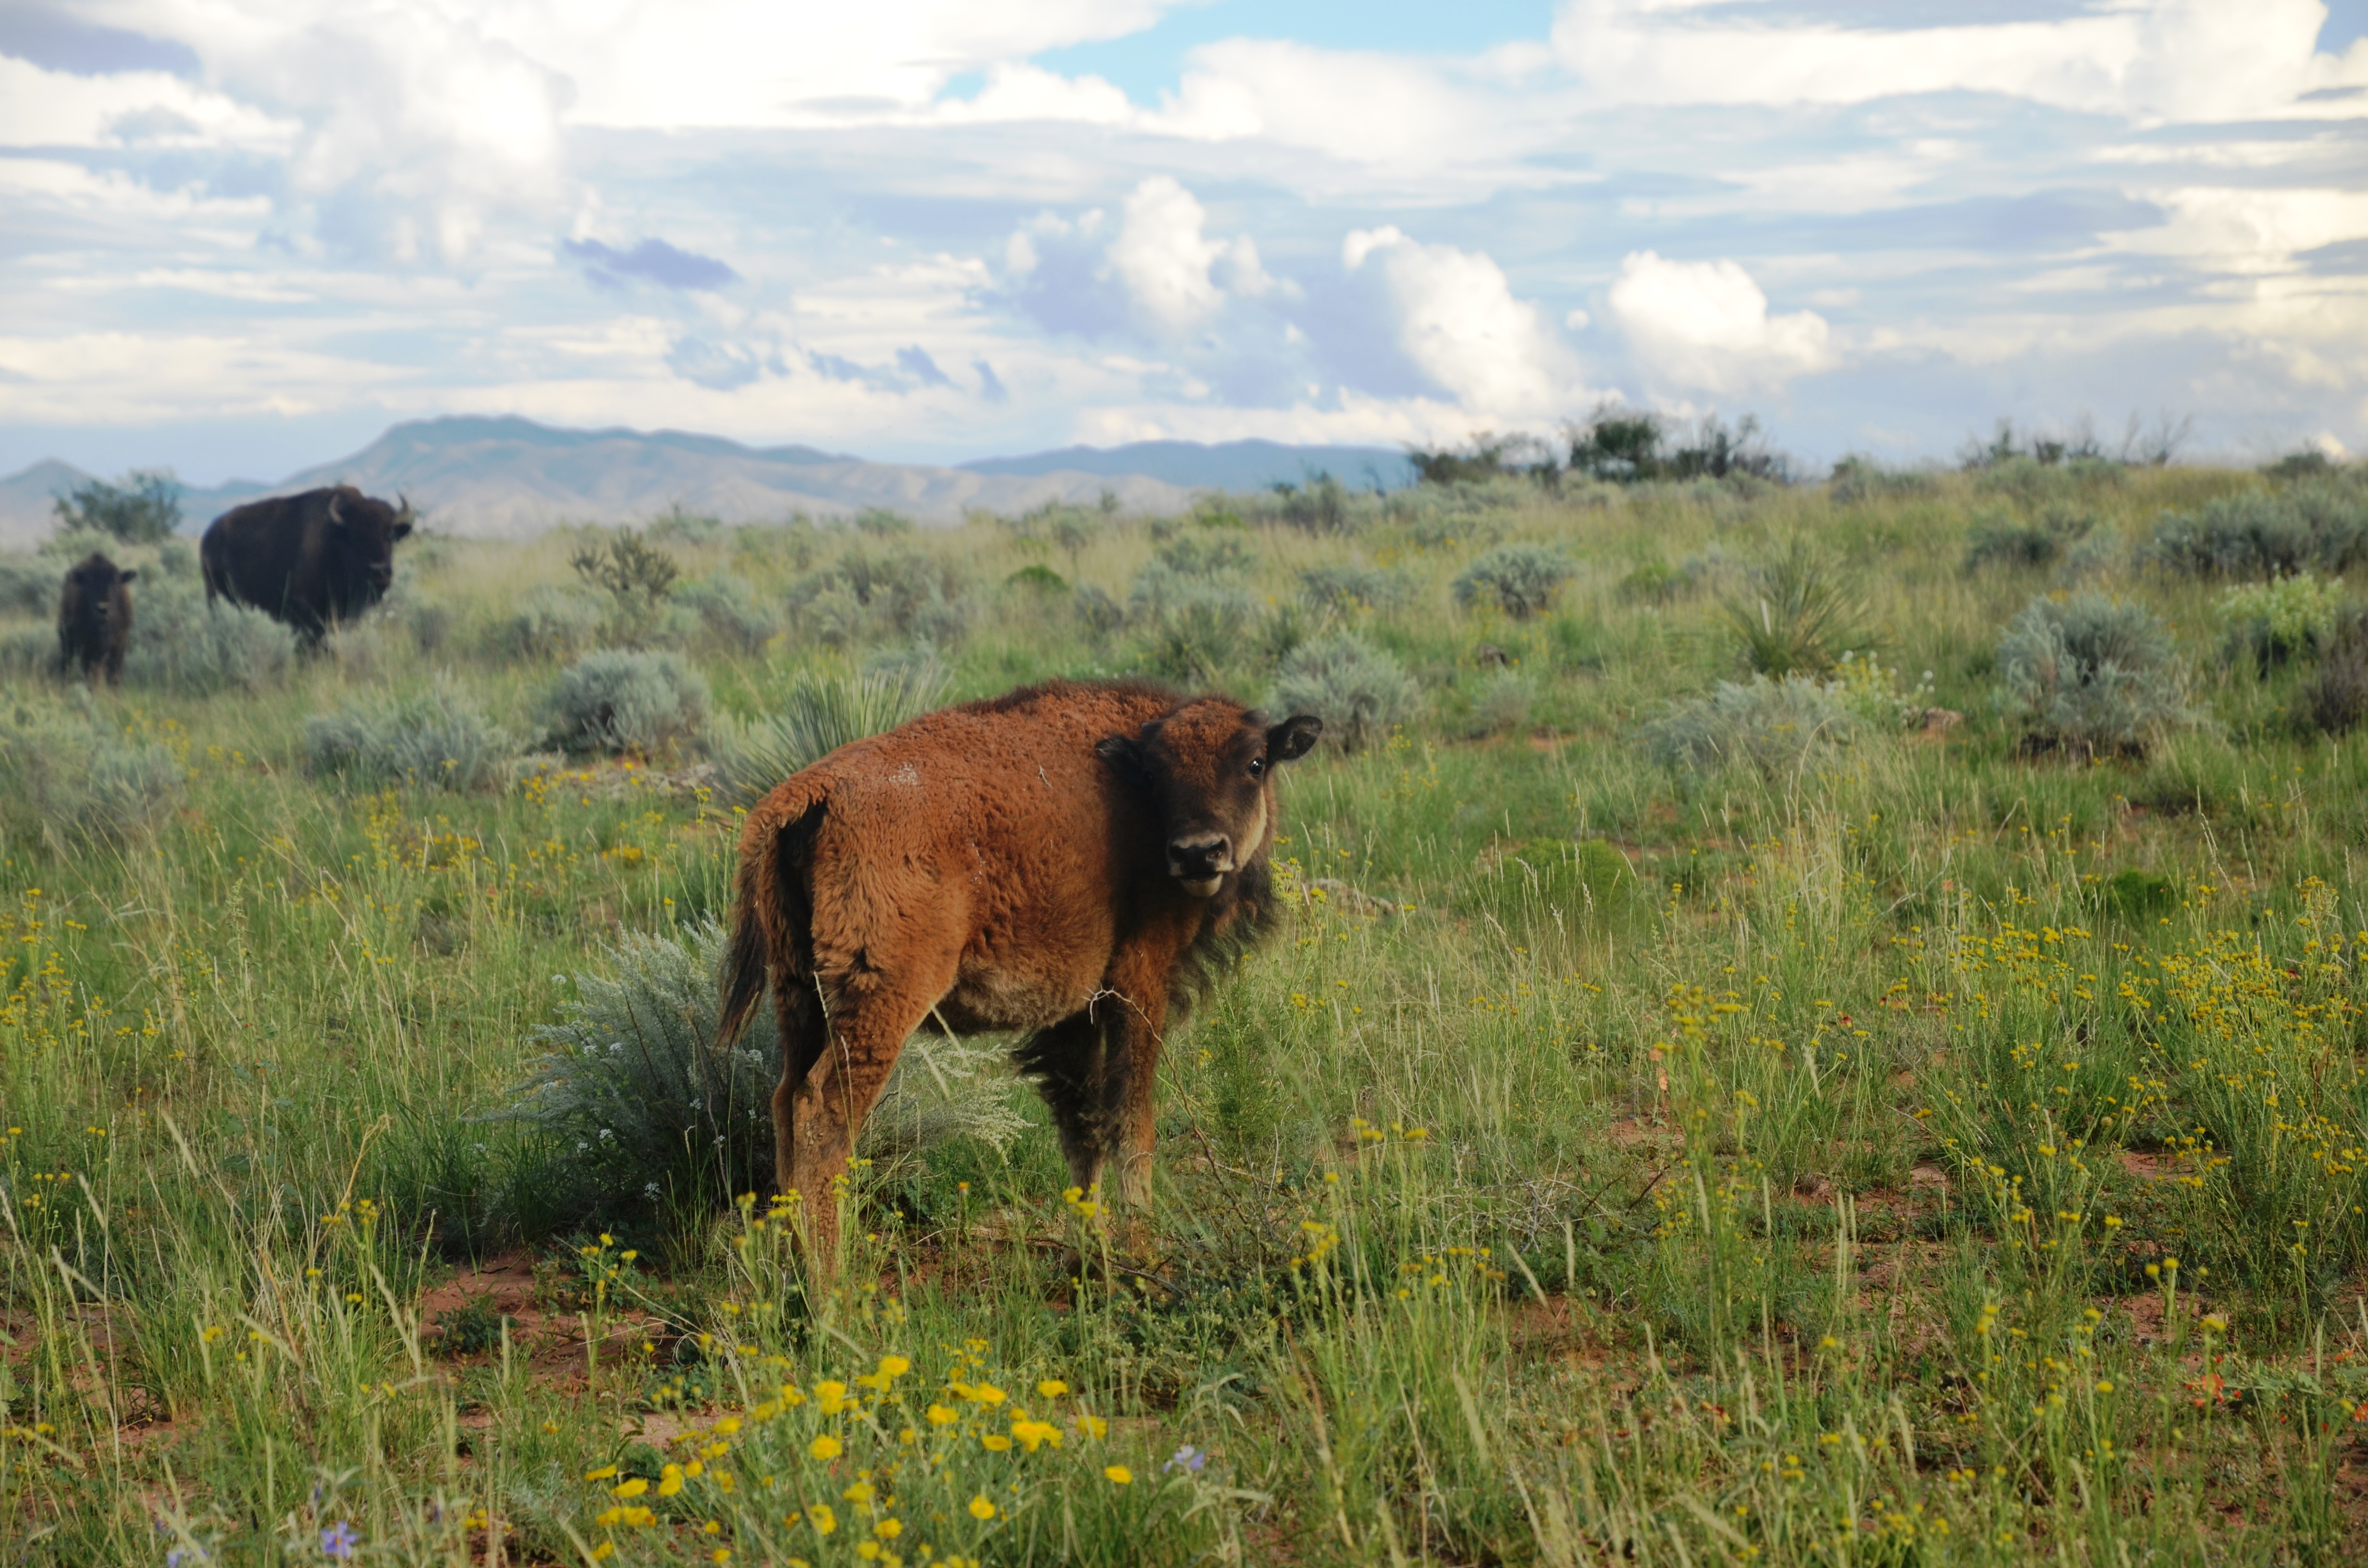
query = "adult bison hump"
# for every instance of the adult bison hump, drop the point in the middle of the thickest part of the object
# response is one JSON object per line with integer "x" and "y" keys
{"x": 311, "y": 561}
{"x": 95, "y": 618}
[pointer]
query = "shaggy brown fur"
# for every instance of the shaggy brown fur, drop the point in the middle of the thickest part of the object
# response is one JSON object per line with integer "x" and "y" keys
{"x": 95, "y": 618}
{"x": 311, "y": 560}
{"x": 1055, "y": 861}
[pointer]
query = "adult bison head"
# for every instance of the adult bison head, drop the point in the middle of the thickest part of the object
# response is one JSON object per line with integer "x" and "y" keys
{"x": 363, "y": 532}
{"x": 1209, "y": 767}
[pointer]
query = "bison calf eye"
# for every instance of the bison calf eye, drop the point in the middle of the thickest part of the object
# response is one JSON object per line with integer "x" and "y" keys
{"x": 1258, "y": 768}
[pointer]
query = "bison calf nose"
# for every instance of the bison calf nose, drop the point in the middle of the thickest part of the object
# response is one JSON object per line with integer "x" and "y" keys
{"x": 1199, "y": 863}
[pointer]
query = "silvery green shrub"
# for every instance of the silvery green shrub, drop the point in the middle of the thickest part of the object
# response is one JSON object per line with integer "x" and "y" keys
{"x": 1519, "y": 579}
{"x": 2091, "y": 675}
{"x": 730, "y": 613}
{"x": 1360, "y": 691}
{"x": 623, "y": 699}
{"x": 182, "y": 644}
{"x": 72, "y": 777}
{"x": 439, "y": 739}
{"x": 650, "y": 1108}
{"x": 1776, "y": 726}
{"x": 546, "y": 622}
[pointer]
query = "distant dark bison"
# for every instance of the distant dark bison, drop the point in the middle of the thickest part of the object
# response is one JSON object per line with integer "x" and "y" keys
{"x": 1060, "y": 860}
{"x": 311, "y": 561}
{"x": 95, "y": 618}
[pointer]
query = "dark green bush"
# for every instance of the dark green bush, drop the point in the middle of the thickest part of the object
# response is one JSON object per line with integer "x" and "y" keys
{"x": 1776, "y": 726}
{"x": 2006, "y": 542}
{"x": 141, "y": 509}
{"x": 2334, "y": 700}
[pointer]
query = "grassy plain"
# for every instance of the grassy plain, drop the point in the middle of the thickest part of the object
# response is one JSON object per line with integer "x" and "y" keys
{"x": 1921, "y": 1154}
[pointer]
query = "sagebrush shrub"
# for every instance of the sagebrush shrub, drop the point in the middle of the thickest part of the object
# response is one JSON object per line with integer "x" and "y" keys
{"x": 181, "y": 645}
{"x": 2006, "y": 542}
{"x": 730, "y": 614}
{"x": 546, "y": 622}
{"x": 1502, "y": 703}
{"x": 1360, "y": 691}
{"x": 70, "y": 777}
{"x": 27, "y": 587}
{"x": 1352, "y": 588}
{"x": 2310, "y": 527}
{"x": 1196, "y": 630}
{"x": 439, "y": 739}
{"x": 656, "y": 1112}
{"x": 1519, "y": 579}
{"x": 822, "y": 714}
{"x": 1776, "y": 726}
{"x": 622, "y": 699}
{"x": 2091, "y": 675}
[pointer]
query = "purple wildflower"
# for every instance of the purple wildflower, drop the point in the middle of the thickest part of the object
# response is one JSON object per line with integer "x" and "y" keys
{"x": 1186, "y": 1458}
{"x": 340, "y": 1540}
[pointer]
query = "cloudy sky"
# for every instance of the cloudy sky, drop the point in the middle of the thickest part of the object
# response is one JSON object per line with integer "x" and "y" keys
{"x": 238, "y": 236}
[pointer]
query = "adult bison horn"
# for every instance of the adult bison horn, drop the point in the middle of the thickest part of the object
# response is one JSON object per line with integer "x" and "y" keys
{"x": 337, "y": 511}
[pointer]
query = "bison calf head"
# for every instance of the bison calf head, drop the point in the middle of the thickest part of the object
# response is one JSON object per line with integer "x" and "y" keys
{"x": 91, "y": 598}
{"x": 1209, "y": 768}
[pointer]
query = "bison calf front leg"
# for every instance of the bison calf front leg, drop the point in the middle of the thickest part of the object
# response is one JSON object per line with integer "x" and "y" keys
{"x": 1072, "y": 1063}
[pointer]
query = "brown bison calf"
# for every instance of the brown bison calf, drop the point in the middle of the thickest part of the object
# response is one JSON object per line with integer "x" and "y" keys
{"x": 95, "y": 618}
{"x": 1061, "y": 860}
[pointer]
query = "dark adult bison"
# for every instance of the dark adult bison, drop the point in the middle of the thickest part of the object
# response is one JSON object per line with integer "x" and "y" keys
{"x": 1061, "y": 860}
{"x": 94, "y": 616}
{"x": 311, "y": 561}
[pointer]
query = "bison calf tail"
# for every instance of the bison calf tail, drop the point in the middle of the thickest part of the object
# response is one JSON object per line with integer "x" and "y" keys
{"x": 772, "y": 903}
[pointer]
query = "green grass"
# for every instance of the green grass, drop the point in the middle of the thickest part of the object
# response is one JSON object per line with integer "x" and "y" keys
{"x": 1920, "y": 1155}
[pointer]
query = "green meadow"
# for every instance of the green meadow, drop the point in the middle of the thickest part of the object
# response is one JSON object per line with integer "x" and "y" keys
{"x": 1813, "y": 1024}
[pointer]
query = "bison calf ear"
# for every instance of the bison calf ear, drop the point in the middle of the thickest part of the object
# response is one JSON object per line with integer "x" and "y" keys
{"x": 1293, "y": 738}
{"x": 1123, "y": 754}
{"x": 401, "y": 529}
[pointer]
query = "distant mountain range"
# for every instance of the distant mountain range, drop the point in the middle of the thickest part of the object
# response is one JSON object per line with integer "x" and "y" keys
{"x": 506, "y": 478}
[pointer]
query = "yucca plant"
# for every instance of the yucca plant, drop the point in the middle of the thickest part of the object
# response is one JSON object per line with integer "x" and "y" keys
{"x": 1796, "y": 616}
{"x": 823, "y": 713}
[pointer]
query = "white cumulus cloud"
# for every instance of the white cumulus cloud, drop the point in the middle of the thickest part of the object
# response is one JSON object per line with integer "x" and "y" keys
{"x": 1458, "y": 320}
{"x": 1163, "y": 256}
{"x": 1705, "y": 324}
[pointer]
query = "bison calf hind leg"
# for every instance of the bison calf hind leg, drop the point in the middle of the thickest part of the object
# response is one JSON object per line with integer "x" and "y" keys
{"x": 1082, "y": 1073}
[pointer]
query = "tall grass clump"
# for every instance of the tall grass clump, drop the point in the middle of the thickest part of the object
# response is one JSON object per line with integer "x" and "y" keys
{"x": 823, "y": 713}
{"x": 1519, "y": 579}
{"x": 1776, "y": 726}
{"x": 646, "y": 1108}
{"x": 71, "y": 778}
{"x": 620, "y": 699}
{"x": 2091, "y": 676}
{"x": 183, "y": 645}
{"x": 440, "y": 739}
{"x": 1360, "y": 691}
